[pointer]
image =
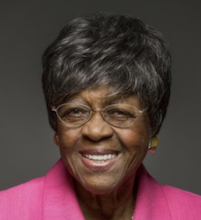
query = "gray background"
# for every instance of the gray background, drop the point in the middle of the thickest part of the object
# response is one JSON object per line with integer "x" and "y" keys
{"x": 26, "y": 140}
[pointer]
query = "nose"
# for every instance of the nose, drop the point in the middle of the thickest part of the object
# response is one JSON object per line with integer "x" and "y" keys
{"x": 96, "y": 128}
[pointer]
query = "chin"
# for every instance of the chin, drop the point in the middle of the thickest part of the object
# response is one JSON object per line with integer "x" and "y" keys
{"x": 104, "y": 186}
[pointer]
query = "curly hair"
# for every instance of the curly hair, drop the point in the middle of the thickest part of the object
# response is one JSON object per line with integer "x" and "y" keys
{"x": 113, "y": 50}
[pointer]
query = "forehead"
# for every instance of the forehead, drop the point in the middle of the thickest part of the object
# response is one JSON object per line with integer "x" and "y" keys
{"x": 102, "y": 96}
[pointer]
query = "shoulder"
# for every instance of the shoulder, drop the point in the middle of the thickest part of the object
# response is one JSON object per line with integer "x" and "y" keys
{"x": 172, "y": 194}
{"x": 24, "y": 188}
{"x": 184, "y": 198}
{"x": 14, "y": 200}
{"x": 167, "y": 202}
{"x": 184, "y": 204}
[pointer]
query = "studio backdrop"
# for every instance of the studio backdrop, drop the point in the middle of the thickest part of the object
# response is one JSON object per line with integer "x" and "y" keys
{"x": 26, "y": 140}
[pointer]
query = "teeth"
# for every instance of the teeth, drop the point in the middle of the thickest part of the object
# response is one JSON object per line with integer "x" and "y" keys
{"x": 100, "y": 157}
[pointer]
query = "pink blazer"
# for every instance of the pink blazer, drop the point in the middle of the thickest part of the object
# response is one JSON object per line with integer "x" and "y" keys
{"x": 52, "y": 197}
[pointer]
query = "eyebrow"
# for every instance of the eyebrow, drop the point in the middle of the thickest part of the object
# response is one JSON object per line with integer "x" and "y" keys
{"x": 106, "y": 100}
{"x": 114, "y": 100}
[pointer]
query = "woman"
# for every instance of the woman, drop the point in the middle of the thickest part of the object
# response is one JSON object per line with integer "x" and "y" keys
{"x": 106, "y": 80}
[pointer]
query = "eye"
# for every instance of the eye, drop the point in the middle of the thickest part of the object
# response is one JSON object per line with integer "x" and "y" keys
{"x": 119, "y": 114}
{"x": 73, "y": 113}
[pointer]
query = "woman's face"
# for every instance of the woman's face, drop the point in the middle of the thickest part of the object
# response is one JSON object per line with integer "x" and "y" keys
{"x": 122, "y": 149}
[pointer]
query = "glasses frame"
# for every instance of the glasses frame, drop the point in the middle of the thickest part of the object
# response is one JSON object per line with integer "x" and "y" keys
{"x": 101, "y": 110}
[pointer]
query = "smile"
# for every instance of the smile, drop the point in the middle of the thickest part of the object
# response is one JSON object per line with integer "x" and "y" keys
{"x": 100, "y": 158}
{"x": 99, "y": 161}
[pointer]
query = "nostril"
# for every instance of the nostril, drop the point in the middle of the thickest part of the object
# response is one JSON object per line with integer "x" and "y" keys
{"x": 97, "y": 130}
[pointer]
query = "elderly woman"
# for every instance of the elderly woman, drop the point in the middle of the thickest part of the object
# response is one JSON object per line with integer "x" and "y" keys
{"x": 106, "y": 80}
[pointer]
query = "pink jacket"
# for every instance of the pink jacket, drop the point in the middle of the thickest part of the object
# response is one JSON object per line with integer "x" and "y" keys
{"x": 52, "y": 197}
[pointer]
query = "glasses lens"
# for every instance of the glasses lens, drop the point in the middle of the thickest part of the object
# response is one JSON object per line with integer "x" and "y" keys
{"x": 73, "y": 115}
{"x": 120, "y": 115}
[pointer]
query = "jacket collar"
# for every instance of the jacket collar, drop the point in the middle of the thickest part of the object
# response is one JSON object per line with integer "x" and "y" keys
{"x": 151, "y": 202}
{"x": 60, "y": 201}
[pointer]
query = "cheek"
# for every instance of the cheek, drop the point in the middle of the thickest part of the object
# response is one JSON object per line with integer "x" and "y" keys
{"x": 68, "y": 147}
{"x": 135, "y": 139}
{"x": 135, "y": 143}
{"x": 67, "y": 139}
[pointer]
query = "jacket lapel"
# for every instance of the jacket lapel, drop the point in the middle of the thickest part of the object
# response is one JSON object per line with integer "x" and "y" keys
{"x": 60, "y": 201}
{"x": 150, "y": 202}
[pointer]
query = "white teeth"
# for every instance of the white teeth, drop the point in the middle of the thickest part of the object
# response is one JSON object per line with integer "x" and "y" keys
{"x": 100, "y": 157}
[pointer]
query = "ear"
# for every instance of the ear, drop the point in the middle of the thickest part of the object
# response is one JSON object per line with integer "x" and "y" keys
{"x": 56, "y": 139}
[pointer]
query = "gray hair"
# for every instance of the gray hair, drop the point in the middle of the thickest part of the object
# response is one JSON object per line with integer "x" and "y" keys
{"x": 113, "y": 50}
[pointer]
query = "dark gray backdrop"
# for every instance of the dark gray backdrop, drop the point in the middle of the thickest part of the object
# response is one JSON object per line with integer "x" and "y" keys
{"x": 26, "y": 141}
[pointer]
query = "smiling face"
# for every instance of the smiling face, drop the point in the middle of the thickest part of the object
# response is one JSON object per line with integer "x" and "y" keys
{"x": 99, "y": 156}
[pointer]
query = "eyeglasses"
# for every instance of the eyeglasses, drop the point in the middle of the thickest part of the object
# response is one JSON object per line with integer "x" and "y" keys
{"x": 119, "y": 115}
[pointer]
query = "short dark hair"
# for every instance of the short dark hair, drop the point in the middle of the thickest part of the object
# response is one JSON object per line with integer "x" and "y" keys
{"x": 112, "y": 50}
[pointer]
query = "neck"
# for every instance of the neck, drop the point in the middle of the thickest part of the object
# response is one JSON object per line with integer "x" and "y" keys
{"x": 118, "y": 204}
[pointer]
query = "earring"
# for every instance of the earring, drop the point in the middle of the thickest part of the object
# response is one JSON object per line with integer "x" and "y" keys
{"x": 56, "y": 139}
{"x": 153, "y": 144}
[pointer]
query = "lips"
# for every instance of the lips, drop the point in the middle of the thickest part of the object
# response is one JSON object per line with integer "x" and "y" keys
{"x": 98, "y": 160}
